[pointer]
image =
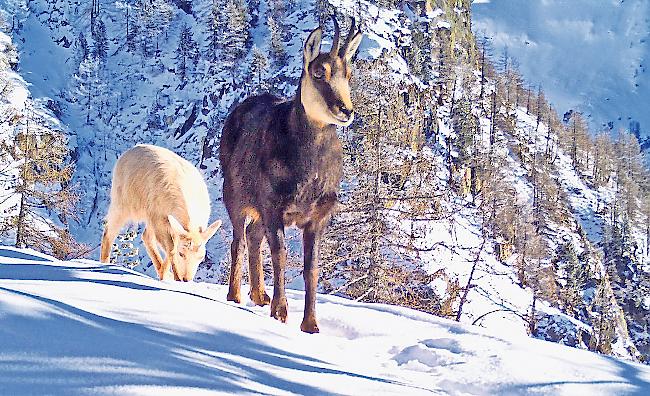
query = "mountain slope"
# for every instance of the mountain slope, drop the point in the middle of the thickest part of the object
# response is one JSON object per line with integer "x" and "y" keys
{"x": 588, "y": 56}
{"x": 78, "y": 327}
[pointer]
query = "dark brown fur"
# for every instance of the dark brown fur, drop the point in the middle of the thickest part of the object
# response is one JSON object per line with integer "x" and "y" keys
{"x": 280, "y": 168}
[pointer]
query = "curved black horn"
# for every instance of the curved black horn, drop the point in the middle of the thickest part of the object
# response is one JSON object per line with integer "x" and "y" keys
{"x": 335, "y": 42}
{"x": 348, "y": 38}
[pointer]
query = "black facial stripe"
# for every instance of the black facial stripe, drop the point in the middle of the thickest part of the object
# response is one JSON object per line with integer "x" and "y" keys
{"x": 331, "y": 98}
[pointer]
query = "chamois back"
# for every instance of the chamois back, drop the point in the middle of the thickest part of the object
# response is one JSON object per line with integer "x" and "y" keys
{"x": 151, "y": 182}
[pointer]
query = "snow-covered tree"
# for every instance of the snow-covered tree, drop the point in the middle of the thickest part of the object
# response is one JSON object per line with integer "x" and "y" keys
{"x": 278, "y": 51}
{"x": 237, "y": 33}
{"x": 86, "y": 83}
{"x": 100, "y": 47}
{"x": 259, "y": 65}
{"x": 37, "y": 174}
{"x": 154, "y": 17}
{"x": 81, "y": 46}
{"x": 574, "y": 275}
{"x": 216, "y": 27}
{"x": 187, "y": 54}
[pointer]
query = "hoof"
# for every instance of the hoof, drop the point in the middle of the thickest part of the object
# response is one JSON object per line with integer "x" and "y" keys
{"x": 261, "y": 301}
{"x": 234, "y": 297}
{"x": 309, "y": 326}
{"x": 279, "y": 310}
{"x": 165, "y": 277}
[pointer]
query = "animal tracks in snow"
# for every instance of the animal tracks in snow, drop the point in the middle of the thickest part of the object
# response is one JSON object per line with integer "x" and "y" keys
{"x": 429, "y": 354}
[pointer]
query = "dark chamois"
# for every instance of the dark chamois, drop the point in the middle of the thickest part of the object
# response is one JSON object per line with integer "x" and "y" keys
{"x": 282, "y": 166}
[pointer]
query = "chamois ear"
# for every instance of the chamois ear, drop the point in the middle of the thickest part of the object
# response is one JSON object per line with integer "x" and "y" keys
{"x": 176, "y": 226}
{"x": 312, "y": 45}
{"x": 352, "y": 46}
{"x": 212, "y": 228}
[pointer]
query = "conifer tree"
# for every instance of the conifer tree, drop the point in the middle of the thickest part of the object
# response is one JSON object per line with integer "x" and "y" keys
{"x": 154, "y": 17}
{"x": 602, "y": 164}
{"x": 574, "y": 277}
{"x": 81, "y": 46}
{"x": 100, "y": 48}
{"x": 577, "y": 139}
{"x": 86, "y": 82}
{"x": 278, "y": 52}
{"x": 132, "y": 29}
{"x": 603, "y": 326}
{"x": 38, "y": 184}
{"x": 187, "y": 53}
{"x": 237, "y": 31}
{"x": 216, "y": 29}
{"x": 259, "y": 65}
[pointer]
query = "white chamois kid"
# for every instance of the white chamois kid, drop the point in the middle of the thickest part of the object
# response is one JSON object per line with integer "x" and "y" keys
{"x": 153, "y": 185}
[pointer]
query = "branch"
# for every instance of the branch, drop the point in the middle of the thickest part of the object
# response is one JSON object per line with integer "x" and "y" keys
{"x": 82, "y": 253}
{"x": 416, "y": 249}
{"x": 500, "y": 310}
{"x": 352, "y": 282}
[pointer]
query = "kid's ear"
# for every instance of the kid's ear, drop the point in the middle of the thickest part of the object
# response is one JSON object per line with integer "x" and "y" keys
{"x": 212, "y": 228}
{"x": 176, "y": 226}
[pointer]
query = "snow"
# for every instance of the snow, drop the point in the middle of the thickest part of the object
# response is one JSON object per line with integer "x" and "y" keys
{"x": 81, "y": 327}
{"x": 587, "y": 55}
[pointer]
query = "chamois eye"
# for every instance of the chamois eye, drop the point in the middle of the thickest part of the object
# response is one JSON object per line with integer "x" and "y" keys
{"x": 181, "y": 254}
{"x": 319, "y": 73}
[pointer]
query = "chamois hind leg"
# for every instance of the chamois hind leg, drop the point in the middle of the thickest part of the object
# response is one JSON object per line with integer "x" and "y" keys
{"x": 114, "y": 223}
{"x": 275, "y": 237}
{"x": 151, "y": 244}
{"x": 254, "y": 238}
{"x": 237, "y": 255}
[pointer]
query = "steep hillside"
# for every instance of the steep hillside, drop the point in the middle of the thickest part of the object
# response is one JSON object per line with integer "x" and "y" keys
{"x": 463, "y": 196}
{"x": 588, "y": 56}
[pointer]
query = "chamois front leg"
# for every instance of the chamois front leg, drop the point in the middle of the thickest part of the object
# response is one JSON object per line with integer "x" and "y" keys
{"x": 167, "y": 242}
{"x": 310, "y": 241}
{"x": 275, "y": 238}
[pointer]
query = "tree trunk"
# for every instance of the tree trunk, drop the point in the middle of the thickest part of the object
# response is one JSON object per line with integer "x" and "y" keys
{"x": 20, "y": 226}
{"x": 468, "y": 286}
{"x": 374, "y": 241}
{"x": 532, "y": 324}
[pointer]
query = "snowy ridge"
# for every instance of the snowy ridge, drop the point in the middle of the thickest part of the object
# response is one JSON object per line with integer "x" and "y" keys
{"x": 79, "y": 327}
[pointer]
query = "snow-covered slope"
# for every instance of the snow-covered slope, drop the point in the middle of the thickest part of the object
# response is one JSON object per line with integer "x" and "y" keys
{"x": 588, "y": 55}
{"x": 80, "y": 327}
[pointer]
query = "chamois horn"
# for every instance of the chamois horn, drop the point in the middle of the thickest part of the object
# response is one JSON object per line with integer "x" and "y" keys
{"x": 343, "y": 50}
{"x": 335, "y": 42}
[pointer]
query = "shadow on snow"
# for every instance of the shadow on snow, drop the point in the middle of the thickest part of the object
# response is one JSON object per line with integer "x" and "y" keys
{"x": 70, "y": 350}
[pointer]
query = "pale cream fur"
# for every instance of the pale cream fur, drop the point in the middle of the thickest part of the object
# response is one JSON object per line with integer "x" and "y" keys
{"x": 153, "y": 185}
